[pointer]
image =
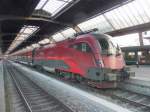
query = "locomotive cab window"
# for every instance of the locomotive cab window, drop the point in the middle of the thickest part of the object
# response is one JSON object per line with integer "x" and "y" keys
{"x": 104, "y": 44}
{"x": 107, "y": 47}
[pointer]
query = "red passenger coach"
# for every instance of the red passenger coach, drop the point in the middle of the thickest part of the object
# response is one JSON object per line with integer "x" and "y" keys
{"x": 90, "y": 57}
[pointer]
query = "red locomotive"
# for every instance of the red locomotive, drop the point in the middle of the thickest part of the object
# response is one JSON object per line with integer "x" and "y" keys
{"x": 89, "y": 57}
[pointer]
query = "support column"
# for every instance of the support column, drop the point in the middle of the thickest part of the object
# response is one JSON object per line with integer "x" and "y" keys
{"x": 1, "y": 40}
{"x": 141, "y": 42}
{"x": 63, "y": 35}
{"x": 76, "y": 28}
{"x": 136, "y": 56}
{"x": 52, "y": 39}
{"x": 141, "y": 39}
{"x": 2, "y": 89}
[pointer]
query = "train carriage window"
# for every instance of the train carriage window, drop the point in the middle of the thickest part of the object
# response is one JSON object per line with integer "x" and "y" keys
{"x": 131, "y": 54}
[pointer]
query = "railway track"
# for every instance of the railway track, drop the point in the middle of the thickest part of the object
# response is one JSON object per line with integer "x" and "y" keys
{"x": 127, "y": 99}
{"x": 131, "y": 100}
{"x": 140, "y": 103}
{"x": 14, "y": 102}
{"x": 34, "y": 98}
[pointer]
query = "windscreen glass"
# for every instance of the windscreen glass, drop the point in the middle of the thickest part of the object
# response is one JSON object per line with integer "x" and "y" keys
{"x": 108, "y": 47}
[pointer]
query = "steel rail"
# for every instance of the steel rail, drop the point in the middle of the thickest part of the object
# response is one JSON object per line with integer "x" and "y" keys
{"x": 131, "y": 101}
{"x": 11, "y": 70}
{"x": 19, "y": 91}
{"x": 110, "y": 94}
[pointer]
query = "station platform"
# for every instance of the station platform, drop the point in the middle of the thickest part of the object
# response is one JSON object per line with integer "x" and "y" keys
{"x": 142, "y": 72}
{"x": 2, "y": 90}
{"x": 78, "y": 100}
{"x": 140, "y": 83}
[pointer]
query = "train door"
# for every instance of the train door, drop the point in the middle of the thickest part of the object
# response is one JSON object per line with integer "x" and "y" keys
{"x": 33, "y": 54}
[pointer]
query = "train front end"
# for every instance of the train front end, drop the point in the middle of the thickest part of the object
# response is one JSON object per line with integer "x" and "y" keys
{"x": 111, "y": 67}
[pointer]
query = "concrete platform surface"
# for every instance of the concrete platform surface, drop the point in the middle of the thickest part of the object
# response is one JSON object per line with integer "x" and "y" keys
{"x": 141, "y": 82}
{"x": 2, "y": 90}
{"x": 78, "y": 100}
{"x": 137, "y": 85}
{"x": 142, "y": 72}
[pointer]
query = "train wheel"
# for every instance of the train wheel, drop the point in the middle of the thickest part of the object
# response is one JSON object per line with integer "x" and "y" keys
{"x": 38, "y": 67}
{"x": 59, "y": 73}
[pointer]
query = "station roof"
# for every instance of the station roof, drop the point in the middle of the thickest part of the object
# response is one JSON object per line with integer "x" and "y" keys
{"x": 34, "y": 20}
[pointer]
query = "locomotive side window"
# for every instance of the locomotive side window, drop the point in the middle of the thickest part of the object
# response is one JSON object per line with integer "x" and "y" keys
{"x": 83, "y": 47}
{"x": 75, "y": 46}
{"x": 79, "y": 46}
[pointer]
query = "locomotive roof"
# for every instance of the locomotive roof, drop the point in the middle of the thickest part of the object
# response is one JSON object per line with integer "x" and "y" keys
{"x": 100, "y": 35}
{"x": 96, "y": 35}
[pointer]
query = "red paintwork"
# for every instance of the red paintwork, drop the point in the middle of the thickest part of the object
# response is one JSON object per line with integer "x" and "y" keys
{"x": 114, "y": 62}
{"x": 78, "y": 61}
